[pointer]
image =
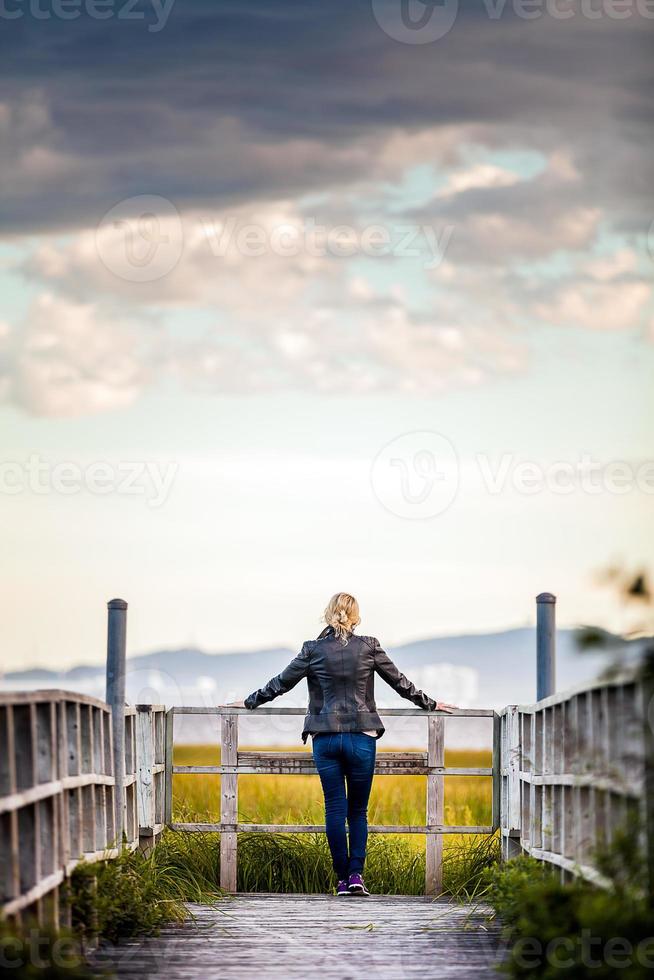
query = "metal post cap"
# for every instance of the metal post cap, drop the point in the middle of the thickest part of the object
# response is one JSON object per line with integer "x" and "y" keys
{"x": 546, "y": 597}
{"x": 116, "y": 604}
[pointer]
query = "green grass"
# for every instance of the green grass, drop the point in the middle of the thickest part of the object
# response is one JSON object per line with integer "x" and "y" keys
{"x": 136, "y": 895}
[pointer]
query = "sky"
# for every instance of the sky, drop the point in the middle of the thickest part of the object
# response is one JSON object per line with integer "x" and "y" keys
{"x": 303, "y": 297}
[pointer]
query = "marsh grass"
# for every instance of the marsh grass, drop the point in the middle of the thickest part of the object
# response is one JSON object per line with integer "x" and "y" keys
{"x": 301, "y": 862}
{"x": 136, "y": 895}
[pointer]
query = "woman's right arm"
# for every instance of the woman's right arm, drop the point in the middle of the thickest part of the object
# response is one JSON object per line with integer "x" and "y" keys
{"x": 289, "y": 677}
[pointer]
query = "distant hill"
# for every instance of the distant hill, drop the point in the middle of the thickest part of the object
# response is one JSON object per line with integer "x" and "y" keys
{"x": 475, "y": 670}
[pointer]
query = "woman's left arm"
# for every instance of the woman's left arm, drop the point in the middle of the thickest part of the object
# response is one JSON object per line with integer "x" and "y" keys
{"x": 289, "y": 677}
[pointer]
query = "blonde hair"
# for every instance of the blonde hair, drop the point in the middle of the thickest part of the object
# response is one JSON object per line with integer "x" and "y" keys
{"x": 342, "y": 614}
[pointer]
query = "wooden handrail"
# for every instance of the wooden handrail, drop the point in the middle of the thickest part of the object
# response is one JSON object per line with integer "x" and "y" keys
{"x": 224, "y": 709}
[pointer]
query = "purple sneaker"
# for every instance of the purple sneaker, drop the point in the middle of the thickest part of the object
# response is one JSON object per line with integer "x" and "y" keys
{"x": 357, "y": 885}
{"x": 342, "y": 888}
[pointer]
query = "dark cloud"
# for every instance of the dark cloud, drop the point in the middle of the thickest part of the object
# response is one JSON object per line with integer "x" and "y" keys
{"x": 233, "y": 101}
{"x": 292, "y": 113}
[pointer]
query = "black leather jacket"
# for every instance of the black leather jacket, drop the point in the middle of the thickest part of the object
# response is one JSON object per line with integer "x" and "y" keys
{"x": 341, "y": 679}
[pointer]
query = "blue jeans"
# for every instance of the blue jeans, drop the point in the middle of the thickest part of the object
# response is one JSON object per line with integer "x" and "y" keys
{"x": 346, "y": 760}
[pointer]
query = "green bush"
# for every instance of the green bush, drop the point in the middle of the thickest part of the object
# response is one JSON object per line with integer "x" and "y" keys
{"x": 118, "y": 899}
{"x": 137, "y": 895}
{"x": 573, "y": 929}
{"x": 31, "y": 952}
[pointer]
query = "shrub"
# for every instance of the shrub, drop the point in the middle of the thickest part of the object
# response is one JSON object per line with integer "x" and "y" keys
{"x": 136, "y": 895}
{"x": 30, "y": 952}
{"x": 575, "y": 929}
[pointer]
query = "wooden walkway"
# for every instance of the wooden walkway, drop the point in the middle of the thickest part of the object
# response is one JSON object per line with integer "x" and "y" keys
{"x": 385, "y": 937}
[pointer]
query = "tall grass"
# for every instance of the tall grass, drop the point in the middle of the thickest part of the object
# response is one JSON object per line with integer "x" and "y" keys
{"x": 135, "y": 895}
{"x": 301, "y": 862}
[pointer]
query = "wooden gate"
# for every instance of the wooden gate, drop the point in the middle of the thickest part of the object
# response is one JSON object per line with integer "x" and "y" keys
{"x": 402, "y": 763}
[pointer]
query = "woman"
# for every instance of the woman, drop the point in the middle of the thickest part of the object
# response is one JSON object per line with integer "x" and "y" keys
{"x": 343, "y": 722}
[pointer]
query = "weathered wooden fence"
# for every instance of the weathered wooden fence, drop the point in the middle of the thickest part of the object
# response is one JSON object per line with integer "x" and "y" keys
{"x": 576, "y": 767}
{"x": 57, "y": 792}
{"x": 234, "y": 763}
{"x": 81, "y": 778}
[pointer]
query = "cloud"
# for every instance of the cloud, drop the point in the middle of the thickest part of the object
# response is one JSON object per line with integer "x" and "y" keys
{"x": 477, "y": 176}
{"x": 499, "y": 215}
{"x": 66, "y": 359}
{"x": 377, "y": 346}
{"x": 322, "y": 330}
{"x": 281, "y": 311}
{"x": 348, "y": 127}
{"x": 598, "y": 305}
{"x": 326, "y": 99}
{"x": 226, "y": 259}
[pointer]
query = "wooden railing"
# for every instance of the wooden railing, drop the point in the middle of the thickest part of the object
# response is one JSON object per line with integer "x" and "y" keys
{"x": 57, "y": 792}
{"x": 576, "y": 767}
{"x": 80, "y": 778}
{"x": 234, "y": 763}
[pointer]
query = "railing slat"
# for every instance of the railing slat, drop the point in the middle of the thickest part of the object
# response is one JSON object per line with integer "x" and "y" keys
{"x": 496, "y": 772}
{"x": 168, "y": 785}
{"x": 305, "y": 766}
{"x": 283, "y": 828}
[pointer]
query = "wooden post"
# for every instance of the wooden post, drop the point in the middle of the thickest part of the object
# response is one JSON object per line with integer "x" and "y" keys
{"x": 144, "y": 777}
{"x": 228, "y": 801}
{"x": 545, "y": 645}
{"x": 168, "y": 772}
{"x": 435, "y": 805}
{"x": 512, "y": 813}
{"x": 496, "y": 778}
{"x": 647, "y": 687}
{"x": 115, "y": 698}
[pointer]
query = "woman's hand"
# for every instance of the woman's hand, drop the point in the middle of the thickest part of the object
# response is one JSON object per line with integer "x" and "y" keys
{"x": 233, "y": 704}
{"x": 442, "y": 706}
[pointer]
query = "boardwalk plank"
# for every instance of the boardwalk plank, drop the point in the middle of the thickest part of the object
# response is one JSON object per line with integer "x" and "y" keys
{"x": 270, "y": 936}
